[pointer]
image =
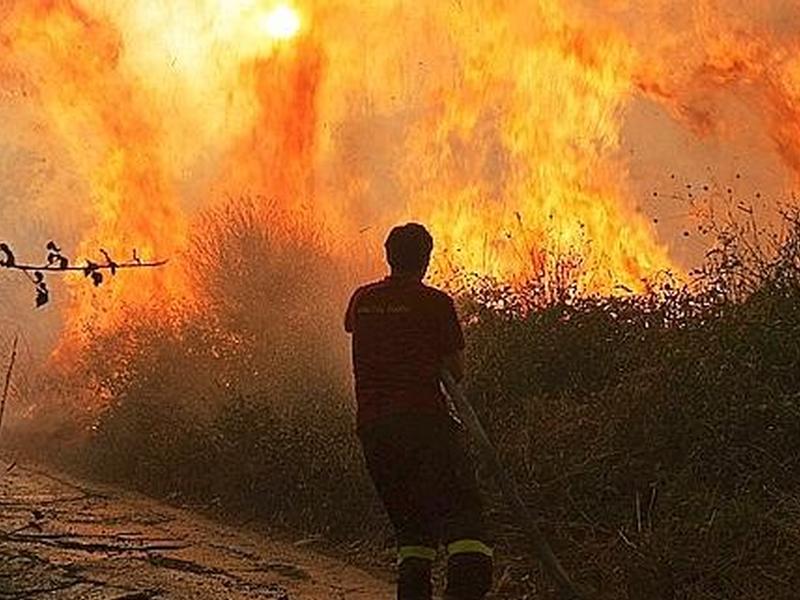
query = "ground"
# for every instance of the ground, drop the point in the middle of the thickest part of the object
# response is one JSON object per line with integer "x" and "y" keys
{"x": 66, "y": 539}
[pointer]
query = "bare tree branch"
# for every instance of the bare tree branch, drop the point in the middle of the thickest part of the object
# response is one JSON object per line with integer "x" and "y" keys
{"x": 59, "y": 263}
{"x": 89, "y": 265}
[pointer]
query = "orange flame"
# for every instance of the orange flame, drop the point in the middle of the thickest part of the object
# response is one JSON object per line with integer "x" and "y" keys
{"x": 74, "y": 60}
{"x": 497, "y": 122}
{"x": 519, "y": 163}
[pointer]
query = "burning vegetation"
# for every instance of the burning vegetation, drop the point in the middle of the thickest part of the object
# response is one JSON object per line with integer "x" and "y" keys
{"x": 497, "y": 123}
{"x": 265, "y": 146}
{"x": 506, "y": 147}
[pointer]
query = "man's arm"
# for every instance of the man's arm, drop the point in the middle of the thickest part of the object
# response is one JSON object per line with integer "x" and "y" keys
{"x": 452, "y": 338}
{"x": 350, "y": 315}
{"x": 454, "y": 364}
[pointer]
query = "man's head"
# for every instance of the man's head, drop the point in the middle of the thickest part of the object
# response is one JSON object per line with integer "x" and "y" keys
{"x": 408, "y": 249}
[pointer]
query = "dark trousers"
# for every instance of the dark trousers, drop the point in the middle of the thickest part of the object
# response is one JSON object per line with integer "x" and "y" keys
{"x": 424, "y": 477}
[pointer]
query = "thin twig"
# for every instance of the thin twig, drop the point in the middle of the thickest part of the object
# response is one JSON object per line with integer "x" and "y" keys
{"x": 58, "y": 263}
{"x": 99, "y": 267}
{"x": 8, "y": 379}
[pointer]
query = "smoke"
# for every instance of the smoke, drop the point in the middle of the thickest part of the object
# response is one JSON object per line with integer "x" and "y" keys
{"x": 517, "y": 130}
{"x": 714, "y": 107}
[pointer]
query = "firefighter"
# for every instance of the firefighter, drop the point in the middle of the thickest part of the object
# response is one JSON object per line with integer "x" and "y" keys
{"x": 404, "y": 334}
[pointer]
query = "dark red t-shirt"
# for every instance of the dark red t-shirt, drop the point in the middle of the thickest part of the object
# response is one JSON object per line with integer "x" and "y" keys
{"x": 402, "y": 330}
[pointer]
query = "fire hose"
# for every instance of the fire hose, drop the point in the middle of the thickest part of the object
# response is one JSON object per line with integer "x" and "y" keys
{"x": 509, "y": 488}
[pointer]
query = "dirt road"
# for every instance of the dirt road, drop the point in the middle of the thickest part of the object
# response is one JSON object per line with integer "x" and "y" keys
{"x": 64, "y": 539}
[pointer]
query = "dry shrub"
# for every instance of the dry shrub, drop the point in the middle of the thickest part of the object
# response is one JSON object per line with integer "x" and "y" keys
{"x": 655, "y": 436}
{"x": 244, "y": 399}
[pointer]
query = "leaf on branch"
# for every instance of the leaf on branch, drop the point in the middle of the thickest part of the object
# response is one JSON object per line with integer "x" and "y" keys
{"x": 112, "y": 266}
{"x": 93, "y": 270}
{"x": 90, "y": 268}
{"x": 8, "y": 259}
{"x": 42, "y": 294}
{"x": 54, "y": 256}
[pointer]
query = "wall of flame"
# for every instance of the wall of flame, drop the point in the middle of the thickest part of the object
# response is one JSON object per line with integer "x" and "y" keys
{"x": 497, "y": 122}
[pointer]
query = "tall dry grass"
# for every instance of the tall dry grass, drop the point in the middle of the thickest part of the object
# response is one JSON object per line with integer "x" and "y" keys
{"x": 246, "y": 402}
{"x": 656, "y": 437}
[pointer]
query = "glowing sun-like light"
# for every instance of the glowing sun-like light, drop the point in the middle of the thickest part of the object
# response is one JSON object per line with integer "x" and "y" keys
{"x": 281, "y": 23}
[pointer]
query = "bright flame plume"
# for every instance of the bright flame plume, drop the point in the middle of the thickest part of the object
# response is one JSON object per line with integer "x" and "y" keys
{"x": 498, "y": 122}
{"x": 281, "y": 23}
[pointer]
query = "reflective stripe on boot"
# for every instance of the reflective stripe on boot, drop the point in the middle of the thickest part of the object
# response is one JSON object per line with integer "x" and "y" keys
{"x": 467, "y": 546}
{"x": 423, "y": 552}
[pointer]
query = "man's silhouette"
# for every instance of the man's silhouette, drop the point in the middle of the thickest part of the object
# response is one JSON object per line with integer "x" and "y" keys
{"x": 404, "y": 334}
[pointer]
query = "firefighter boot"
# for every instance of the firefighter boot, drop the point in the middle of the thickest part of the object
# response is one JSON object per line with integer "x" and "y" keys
{"x": 469, "y": 576}
{"x": 414, "y": 579}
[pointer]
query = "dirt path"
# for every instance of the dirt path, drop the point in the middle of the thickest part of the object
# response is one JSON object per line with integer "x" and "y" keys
{"x": 63, "y": 539}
